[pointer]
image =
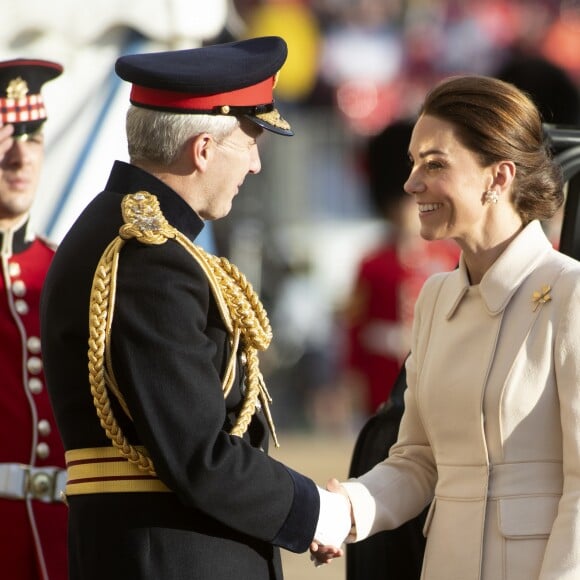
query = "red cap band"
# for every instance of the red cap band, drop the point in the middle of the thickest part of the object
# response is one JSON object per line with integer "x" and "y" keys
{"x": 258, "y": 94}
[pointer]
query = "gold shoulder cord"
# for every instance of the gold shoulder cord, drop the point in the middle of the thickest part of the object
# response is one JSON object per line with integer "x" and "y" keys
{"x": 241, "y": 310}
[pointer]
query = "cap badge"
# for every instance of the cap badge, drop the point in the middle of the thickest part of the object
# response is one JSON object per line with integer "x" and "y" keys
{"x": 17, "y": 89}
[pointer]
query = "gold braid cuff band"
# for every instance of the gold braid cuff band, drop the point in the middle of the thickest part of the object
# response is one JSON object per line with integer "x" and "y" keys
{"x": 241, "y": 310}
{"x": 103, "y": 470}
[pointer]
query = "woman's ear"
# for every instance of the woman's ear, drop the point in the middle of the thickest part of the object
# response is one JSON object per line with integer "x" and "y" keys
{"x": 202, "y": 148}
{"x": 504, "y": 174}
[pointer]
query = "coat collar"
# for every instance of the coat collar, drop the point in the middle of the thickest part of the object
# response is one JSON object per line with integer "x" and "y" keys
{"x": 17, "y": 238}
{"x": 505, "y": 276}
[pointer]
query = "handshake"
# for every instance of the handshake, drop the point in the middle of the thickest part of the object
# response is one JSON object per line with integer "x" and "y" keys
{"x": 335, "y": 524}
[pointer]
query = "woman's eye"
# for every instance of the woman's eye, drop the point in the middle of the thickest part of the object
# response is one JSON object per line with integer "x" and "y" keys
{"x": 432, "y": 165}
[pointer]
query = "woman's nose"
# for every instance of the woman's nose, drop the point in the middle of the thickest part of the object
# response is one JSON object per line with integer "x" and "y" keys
{"x": 413, "y": 184}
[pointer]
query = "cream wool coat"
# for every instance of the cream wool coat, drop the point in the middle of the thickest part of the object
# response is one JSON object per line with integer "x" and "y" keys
{"x": 491, "y": 430}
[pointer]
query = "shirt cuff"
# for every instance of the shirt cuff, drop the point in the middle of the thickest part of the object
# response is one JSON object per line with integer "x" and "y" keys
{"x": 363, "y": 509}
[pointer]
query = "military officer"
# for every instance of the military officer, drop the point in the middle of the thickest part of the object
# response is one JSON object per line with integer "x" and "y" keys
{"x": 151, "y": 344}
{"x": 32, "y": 515}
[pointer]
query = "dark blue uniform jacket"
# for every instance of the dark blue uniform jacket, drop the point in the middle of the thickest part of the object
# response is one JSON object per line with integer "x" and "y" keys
{"x": 231, "y": 504}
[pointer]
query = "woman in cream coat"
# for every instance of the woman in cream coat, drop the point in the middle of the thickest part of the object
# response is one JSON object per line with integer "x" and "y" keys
{"x": 491, "y": 430}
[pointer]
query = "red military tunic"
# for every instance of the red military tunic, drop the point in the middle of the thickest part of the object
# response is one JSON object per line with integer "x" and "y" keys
{"x": 388, "y": 282}
{"x": 32, "y": 531}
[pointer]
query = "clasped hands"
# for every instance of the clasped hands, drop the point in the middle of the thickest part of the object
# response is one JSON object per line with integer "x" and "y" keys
{"x": 321, "y": 550}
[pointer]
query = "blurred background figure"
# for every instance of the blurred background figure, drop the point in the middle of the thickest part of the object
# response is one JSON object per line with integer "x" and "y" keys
{"x": 32, "y": 514}
{"x": 379, "y": 313}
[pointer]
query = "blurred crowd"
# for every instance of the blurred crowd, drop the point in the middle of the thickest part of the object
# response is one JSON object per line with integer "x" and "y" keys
{"x": 356, "y": 68}
{"x": 373, "y": 59}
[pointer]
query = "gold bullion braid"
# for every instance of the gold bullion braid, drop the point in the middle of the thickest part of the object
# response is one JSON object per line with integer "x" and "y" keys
{"x": 250, "y": 316}
{"x": 240, "y": 308}
{"x": 101, "y": 304}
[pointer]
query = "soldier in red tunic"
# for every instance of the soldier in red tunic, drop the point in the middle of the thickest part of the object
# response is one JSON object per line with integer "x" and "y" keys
{"x": 32, "y": 514}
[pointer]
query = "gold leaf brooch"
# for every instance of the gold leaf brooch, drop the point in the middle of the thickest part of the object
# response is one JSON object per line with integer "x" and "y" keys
{"x": 539, "y": 298}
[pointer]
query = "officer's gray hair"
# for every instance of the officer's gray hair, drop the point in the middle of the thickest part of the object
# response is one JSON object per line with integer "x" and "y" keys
{"x": 158, "y": 137}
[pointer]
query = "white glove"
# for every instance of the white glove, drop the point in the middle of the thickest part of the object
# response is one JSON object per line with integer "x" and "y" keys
{"x": 334, "y": 519}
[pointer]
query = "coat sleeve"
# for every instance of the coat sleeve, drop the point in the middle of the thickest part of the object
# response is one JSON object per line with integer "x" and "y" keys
{"x": 166, "y": 359}
{"x": 562, "y": 555}
{"x": 399, "y": 488}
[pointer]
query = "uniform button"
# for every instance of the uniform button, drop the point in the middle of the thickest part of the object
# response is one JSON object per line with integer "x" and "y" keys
{"x": 243, "y": 358}
{"x": 42, "y": 450}
{"x": 35, "y": 385}
{"x": 19, "y": 288}
{"x": 21, "y": 306}
{"x": 33, "y": 344}
{"x": 14, "y": 269}
{"x": 34, "y": 365}
{"x": 44, "y": 427}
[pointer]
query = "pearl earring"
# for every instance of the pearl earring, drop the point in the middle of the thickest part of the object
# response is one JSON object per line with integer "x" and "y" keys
{"x": 491, "y": 196}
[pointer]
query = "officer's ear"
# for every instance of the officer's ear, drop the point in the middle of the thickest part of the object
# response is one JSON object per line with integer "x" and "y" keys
{"x": 202, "y": 149}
